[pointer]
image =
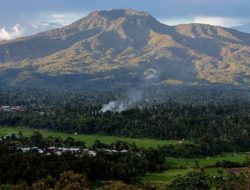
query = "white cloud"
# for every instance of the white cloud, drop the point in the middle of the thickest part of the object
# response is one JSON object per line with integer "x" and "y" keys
{"x": 40, "y": 23}
{"x": 48, "y": 21}
{"x": 218, "y": 21}
{"x": 59, "y": 19}
{"x": 15, "y": 32}
{"x": 221, "y": 21}
{"x": 62, "y": 18}
{"x": 175, "y": 21}
{"x": 45, "y": 26}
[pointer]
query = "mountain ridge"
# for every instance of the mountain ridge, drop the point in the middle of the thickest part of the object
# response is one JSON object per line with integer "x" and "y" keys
{"x": 105, "y": 44}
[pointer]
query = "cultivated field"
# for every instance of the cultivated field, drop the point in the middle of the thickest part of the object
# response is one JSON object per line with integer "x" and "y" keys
{"x": 185, "y": 163}
{"x": 88, "y": 139}
{"x": 181, "y": 166}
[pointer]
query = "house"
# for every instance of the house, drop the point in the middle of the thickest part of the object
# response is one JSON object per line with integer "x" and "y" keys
{"x": 74, "y": 150}
{"x": 57, "y": 150}
{"x": 124, "y": 151}
{"x": 52, "y": 149}
{"x": 58, "y": 153}
{"x": 12, "y": 109}
{"x": 40, "y": 151}
{"x": 91, "y": 153}
{"x": 6, "y": 108}
{"x": 24, "y": 149}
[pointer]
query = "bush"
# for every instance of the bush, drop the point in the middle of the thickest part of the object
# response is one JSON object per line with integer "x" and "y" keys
{"x": 195, "y": 180}
{"x": 227, "y": 164}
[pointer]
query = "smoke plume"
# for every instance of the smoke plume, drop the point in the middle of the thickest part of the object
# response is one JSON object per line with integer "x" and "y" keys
{"x": 134, "y": 96}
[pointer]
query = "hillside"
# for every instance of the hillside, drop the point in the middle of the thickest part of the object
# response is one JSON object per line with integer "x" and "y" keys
{"x": 119, "y": 47}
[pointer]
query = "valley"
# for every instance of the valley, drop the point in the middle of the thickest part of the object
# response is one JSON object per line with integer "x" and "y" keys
{"x": 155, "y": 145}
{"x": 174, "y": 167}
{"x": 120, "y": 100}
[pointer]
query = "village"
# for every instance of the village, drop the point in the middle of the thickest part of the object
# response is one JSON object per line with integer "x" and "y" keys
{"x": 57, "y": 150}
{"x": 12, "y": 109}
{"x": 61, "y": 150}
{"x": 23, "y": 144}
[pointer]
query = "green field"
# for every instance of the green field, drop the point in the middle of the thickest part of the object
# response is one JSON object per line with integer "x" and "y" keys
{"x": 164, "y": 177}
{"x": 88, "y": 139}
{"x": 181, "y": 166}
{"x": 184, "y": 163}
{"x": 167, "y": 176}
{"x": 177, "y": 166}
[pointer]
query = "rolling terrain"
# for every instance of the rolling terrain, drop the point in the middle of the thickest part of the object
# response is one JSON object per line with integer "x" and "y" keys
{"x": 121, "y": 47}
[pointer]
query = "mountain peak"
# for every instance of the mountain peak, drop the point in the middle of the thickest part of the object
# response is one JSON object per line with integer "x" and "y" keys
{"x": 116, "y": 19}
{"x": 118, "y": 13}
{"x": 113, "y": 41}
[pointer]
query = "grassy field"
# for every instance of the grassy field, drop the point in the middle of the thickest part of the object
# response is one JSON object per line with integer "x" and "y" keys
{"x": 183, "y": 163}
{"x": 182, "y": 166}
{"x": 178, "y": 166}
{"x": 166, "y": 177}
{"x": 88, "y": 139}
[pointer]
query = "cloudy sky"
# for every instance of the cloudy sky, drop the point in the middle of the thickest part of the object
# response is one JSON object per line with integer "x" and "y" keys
{"x": 25, "y": 17}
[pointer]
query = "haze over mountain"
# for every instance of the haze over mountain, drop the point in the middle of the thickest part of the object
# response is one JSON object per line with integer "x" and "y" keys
{"x": 243, "y": 28}
{"x": 123, "y": 46}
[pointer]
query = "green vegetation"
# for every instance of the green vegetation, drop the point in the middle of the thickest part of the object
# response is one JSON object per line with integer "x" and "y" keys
{"x": 204, "y": 162}
{"x": 168, "y": 176}
{"x": 102, "y": 165}
{"x": 88, "y": 139}
{"x": 210, "y": 133}
{"x": 164, "y": 177}
{"x": 182, "y": 166}
{"x": 225, "y": 122}
{"x": 191, "y": 53}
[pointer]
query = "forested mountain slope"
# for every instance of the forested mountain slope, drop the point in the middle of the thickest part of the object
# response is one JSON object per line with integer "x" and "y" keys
{"x": 119, "y": 47}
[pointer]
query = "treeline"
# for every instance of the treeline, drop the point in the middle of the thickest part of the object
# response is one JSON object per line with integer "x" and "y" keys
{"x": 213, "y": 113}
{"x": 36, "y": 171}
{"x": 225, "y": 123}
{"x": 30, "y": 167}
{"x": 235, "y": 179}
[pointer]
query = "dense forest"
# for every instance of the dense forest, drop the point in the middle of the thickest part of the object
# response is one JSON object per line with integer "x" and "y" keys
{"x": 225, "y": 121}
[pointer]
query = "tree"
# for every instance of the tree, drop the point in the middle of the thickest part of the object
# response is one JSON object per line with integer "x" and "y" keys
{"x": 237, "y": 179}
{"x": 39, "y": 185}
{"x": 47, "y": 183}
{"x": 36, "y": 138}
{"x": 118, "y": 185}
{"x": 195, "y": 180}
{"x": 72, "y": 181}
{"x": 69, "y": 141}
{"x": 20, "y": 186}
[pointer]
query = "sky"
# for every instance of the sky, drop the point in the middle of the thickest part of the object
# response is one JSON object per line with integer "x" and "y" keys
{"x": 25, "y": 17}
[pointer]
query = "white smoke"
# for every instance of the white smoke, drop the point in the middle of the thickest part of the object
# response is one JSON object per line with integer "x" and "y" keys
{"x": 130, "y": 101}
{"x": 134, "y": 96}
{"x": 113, "y": 106}
{"x": 13, "y": 33}
{"x": 150, "y": 74}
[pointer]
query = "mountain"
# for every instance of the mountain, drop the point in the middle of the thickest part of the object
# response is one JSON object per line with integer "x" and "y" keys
{"x": 121, "y": 47}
